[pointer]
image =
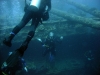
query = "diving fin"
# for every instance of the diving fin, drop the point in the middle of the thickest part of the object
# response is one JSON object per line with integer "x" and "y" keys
{"x": 12, "y": 59}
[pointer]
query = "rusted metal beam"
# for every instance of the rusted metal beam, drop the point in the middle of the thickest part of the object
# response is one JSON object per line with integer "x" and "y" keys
{"x": 77, "y": 19}
{"x": 85, "y": 8}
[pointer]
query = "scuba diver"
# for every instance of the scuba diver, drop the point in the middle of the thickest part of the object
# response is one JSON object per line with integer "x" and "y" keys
{"x": 11, "y": 68}
{"x": 89, "y": 62}
{"x": 50, "y": 46}
{"x": 36, "y": 10}
{"x": 89, "y": 55}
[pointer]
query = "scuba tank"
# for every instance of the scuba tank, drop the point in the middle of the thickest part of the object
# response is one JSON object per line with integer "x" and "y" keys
{"x": 36, "y": 3}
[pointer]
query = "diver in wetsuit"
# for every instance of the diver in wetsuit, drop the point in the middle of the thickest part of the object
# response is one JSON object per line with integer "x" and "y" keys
{"x": 50, "y": 48}
{"x": 35, "y": 11}
{"x": 50, "y": 45}
{"x": 8, "y": 69}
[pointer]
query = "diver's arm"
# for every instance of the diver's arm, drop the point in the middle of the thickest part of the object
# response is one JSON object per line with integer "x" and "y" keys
{"x": 59, "y": 40}
{"x": 25, "y": 68}
{"x": 49, "y": 5}
{"x": 26, "y": 5}
{"x": 61, "y": 37}
{"x": 39, "y": 39}
{"x": 42, "y": 42}
{"x": 27, "y": 2}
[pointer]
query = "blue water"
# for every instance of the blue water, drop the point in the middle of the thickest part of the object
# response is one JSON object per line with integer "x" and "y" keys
{"x": 75, "y": 46}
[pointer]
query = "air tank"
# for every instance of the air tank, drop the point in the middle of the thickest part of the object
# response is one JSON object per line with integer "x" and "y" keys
{"x": 36, "y": 3}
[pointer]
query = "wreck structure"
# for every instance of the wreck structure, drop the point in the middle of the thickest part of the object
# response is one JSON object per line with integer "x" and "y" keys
{"x": 64, "y": 24}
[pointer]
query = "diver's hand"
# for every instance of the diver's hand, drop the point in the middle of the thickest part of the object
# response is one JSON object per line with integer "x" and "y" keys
{"x": 26, "y": 7}
{"x": 61, "y": 38}
{"x": 25, "y": 69}
{"x": 43, "y": 45}
{"x": 4, "y": 65}
{"x": 45, "y": 11}
{"x": 39, "y": 39}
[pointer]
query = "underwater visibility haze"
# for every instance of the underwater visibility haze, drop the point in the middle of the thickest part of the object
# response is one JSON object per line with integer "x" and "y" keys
{"x": 75, "y": 24}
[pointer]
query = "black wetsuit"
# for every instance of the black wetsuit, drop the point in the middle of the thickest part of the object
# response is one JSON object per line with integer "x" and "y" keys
{"x": 50, "y": 46}
{"x": 34, "y": 14}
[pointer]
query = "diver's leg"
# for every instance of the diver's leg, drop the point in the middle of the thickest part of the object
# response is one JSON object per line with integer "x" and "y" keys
{"x": 24, "y": 45}
{"x": 45, "y": 52}
{"x": 52, "y": 60}
{"x": 17, "y": 28}
{"x": 29, "y": 37}
{"x": 33, "y": 26}
{"x": 35, "y": 22}
{"x": 31, "y": 33}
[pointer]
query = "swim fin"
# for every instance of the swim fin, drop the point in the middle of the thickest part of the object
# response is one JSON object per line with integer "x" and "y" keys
{"x": 12, "y": 59}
